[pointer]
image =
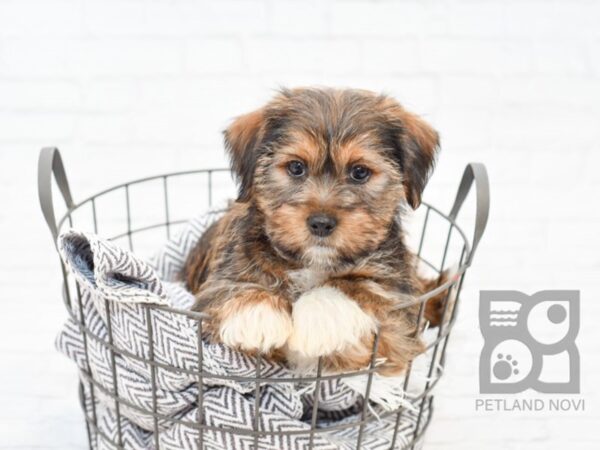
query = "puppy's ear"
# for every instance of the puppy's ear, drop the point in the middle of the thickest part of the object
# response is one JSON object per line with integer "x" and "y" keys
{"x": 242, "y": 139}
{"x": 416, "y": 147}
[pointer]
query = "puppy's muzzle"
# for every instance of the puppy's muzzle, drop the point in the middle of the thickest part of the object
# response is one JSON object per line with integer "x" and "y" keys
{"x": 321, "y": 225}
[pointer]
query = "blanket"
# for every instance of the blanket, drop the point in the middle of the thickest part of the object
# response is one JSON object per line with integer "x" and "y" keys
{"x": 138, "y": 309}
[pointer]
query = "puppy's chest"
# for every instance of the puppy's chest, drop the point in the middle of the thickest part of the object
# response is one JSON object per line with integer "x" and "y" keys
{"x": 302, "y": 280}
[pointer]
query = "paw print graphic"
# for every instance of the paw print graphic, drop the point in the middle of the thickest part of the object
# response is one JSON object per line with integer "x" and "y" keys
{"x": 505, "y": 367}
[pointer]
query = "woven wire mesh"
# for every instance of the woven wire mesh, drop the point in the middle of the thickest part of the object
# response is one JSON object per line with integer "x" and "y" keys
{"x": 452, "y": 249}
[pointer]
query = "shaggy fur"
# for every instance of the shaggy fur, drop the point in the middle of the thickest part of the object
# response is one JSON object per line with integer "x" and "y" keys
{"x": 351, "y": 157}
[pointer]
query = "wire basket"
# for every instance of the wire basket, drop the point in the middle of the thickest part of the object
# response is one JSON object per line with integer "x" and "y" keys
{"x": 450, "y": 240}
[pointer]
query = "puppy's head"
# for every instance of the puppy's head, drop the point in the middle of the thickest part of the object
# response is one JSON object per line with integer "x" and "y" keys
{"x": 330, "y": 168}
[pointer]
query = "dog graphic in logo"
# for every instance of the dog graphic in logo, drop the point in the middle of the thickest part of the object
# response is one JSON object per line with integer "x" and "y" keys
{"x": 529, "y": 342}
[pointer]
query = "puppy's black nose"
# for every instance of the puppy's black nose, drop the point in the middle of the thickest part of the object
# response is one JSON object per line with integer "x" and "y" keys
{"x": 321, "y": 224}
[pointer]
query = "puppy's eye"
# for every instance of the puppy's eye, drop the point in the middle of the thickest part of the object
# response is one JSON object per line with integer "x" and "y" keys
{"x": 296, "y": 169}
{"x": 359, "y": 174}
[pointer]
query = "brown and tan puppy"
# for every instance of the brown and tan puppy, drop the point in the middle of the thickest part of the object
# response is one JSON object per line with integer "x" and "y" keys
{"x": 310, "y": 260}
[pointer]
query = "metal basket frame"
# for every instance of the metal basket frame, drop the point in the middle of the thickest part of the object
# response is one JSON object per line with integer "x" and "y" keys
{"x": 51, "y": 166}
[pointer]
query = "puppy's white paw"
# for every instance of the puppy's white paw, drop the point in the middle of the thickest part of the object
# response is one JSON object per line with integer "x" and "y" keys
{"x": 256, "y": 327}
{"x": 327, "y": 321}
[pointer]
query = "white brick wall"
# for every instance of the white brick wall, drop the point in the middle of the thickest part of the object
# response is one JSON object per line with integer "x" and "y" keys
{"x": 132, "y": 88}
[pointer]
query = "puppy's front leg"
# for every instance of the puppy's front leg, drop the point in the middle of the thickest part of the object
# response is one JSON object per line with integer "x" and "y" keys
{"x": 338, "y": 322}
{"x": 251, "y": 320}
{"x": 399, "y": 341}
{"x": 326, "y": 321}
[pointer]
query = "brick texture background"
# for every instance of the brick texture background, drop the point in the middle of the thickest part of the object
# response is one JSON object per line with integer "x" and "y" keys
{"x": 131, "y": 88}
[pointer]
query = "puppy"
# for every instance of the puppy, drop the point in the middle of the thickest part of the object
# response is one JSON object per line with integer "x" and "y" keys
{"x": 310, "y": 261}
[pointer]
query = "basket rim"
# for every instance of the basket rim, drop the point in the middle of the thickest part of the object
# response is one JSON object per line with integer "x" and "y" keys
{"x": 464, "y": 262}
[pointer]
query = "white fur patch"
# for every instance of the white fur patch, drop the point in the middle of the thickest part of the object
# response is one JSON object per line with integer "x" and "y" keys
{"x": 256, "y": 327}
{"x": 319, "y": 256}
{"x": 306, "y": 279}
{"x": 325, "y": 320}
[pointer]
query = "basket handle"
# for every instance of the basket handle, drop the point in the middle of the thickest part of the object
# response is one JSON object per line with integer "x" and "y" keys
{"x": 477, "y": 172}
{"x": 50, "y": 163}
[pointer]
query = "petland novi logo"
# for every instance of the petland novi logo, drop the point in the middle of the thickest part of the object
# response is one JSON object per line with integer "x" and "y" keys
{"x": 529, "y": 343}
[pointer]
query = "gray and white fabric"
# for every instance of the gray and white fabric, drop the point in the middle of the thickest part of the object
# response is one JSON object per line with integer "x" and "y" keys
{"x": 128, "y": 304}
